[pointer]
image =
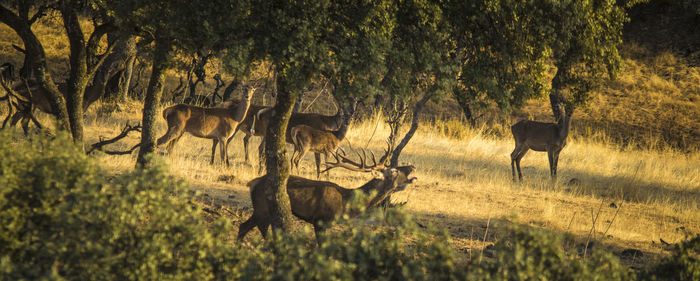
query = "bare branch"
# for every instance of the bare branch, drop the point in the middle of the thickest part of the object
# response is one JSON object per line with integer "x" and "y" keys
{"x": 125, "y": 132}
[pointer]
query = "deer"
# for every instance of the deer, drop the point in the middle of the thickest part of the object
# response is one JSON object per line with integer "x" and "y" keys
{"x": 313, "y": 120}
{"x": 306, "y": 138}
{"x": 248, "y": 125}
{"x": 319, "y": 202}
{"x": 540, "y": 136}
{"x": 220, "y": 123}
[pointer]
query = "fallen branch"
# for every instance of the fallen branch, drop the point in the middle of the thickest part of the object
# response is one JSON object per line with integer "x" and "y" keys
{"x": 125, "y": 132}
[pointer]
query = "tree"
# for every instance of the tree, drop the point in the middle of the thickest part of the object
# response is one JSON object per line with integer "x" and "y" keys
{"x": 303, "y": 40}
{"x": 506, "y": 48}
{"x": 84, "y": 57}
{"x": 178, "y": 25}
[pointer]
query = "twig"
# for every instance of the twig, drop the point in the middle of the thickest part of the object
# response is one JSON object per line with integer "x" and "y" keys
{"x": 571, "y": 221}
{"x": 488, "y": 222}
{"x": 613, "y": 220}
{"x": 588, "y": 239}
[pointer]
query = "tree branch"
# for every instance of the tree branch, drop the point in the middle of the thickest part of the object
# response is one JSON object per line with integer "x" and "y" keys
{"x": 125, "y": 132}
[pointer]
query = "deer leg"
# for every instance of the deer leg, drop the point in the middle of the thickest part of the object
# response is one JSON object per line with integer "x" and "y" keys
{"x": 246, "y": 227}
{"x": 263, "y": 227}
{"x": 25, "y": 125}
{"x": 555, "y": 163}
{"x": 261, "y": 155}
{"x": 246, "y": 140}
{"x": 550, "y": 156}
{"x": 317, "y": 157}
{"x": 513, "y": 157}
{"x": 213, "y": 150}
{"x": 517, "y": 162}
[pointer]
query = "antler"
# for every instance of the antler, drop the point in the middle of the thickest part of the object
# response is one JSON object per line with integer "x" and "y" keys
{"x": 342, "y": 161}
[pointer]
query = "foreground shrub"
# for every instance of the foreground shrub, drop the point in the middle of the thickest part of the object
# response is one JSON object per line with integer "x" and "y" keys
{"x": 531, "y": 254}
{"x": 682, "y": 265}
{"x": 61, "y": 218}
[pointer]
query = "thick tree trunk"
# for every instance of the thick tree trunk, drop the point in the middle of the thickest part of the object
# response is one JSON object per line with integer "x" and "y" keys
{"x": 125, "y": 81}
{"x": 35, "y": 51}
{"x": 276, "y": 159}
{"x": 463, "y": 101}
{"x": 161, "y": 59}
{"x": 78, "y": 75}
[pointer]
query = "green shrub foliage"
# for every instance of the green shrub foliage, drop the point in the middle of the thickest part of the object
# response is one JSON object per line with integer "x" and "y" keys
{"x": 682, "y": 265}
{"x": 63, "y": 218}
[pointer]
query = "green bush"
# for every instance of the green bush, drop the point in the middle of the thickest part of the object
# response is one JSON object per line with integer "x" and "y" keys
{"x": 531, "y": 254}
{"x": 682, "y": 265}
{"x": 60, "y": 217}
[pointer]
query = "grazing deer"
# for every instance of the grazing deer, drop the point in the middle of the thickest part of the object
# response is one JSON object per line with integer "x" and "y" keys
{"x": 319, "y": 202}
{"x": 305, "y": 138}
{"x": 218, "y": 123}
{"x": 540, "y": 136}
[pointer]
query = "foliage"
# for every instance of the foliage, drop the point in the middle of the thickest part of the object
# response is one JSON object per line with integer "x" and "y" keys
{"x": 530, "y": 254}
{"x": 683, "y": 264}
{"x": 62, "y": 218}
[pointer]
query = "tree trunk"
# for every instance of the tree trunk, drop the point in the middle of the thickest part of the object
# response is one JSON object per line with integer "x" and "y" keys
{"x": 276, "y": 159}
{"x": 161, "y": 59}
{"x": 125, "y": 83}
{"x": 414, "y": 126}
{"x": 37, "y": 63}
{"x": 463, "y": 101}
{"x": 78, "y": 75}
{"x": 230, "y": 88}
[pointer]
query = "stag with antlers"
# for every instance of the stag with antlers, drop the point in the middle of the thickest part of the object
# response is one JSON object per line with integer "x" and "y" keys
{"x": 319, "y": 202}
{"x": 218, "y": 123}
{"x": 540, "y": 136}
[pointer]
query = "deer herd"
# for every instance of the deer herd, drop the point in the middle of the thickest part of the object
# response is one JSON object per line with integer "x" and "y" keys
{"x": 313, "y": 201}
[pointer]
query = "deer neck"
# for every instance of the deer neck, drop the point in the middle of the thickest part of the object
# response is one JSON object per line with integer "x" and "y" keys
{"x": 375, "y": 185}
{"x": 564, "y": 125}
{"x": 343, "y": 130}
{"x": 241, "y": 110}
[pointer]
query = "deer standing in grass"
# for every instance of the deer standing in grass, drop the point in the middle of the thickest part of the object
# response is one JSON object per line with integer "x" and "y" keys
{"x": 218, "y": 123}
{"x": 248, "y": 126}
{"x": 540, "y": 136}
{"x": 305, "y": 138}
{"x": 319, "y": 202}
{"x": 313, "y": 120}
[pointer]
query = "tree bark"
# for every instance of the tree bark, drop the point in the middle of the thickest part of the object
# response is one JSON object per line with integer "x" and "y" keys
{"x": 276, "y": 158}
{"x": 78, "y": 74}
{"x": 125, "y": 83}
{"x": 414, "y": 127}
{"x": 35, "y": 52}
{"x": 161, "y": 60}
{"x": 466, "y": 106}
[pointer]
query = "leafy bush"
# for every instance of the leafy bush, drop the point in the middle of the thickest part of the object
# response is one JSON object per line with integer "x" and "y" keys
{"x": 531, "y": 254}
{"x": 61, "y": 218}
{"x": 683, "y": 264}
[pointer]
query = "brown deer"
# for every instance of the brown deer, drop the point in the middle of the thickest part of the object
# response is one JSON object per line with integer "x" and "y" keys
{"x": 305, "y": 138}
{"x": 247, "y": 125}
{"x": 319, "y": 202}
{"x": 313, "y": 120}
{"x": 540, "y": 136}
{"x": 218, "y": 123}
